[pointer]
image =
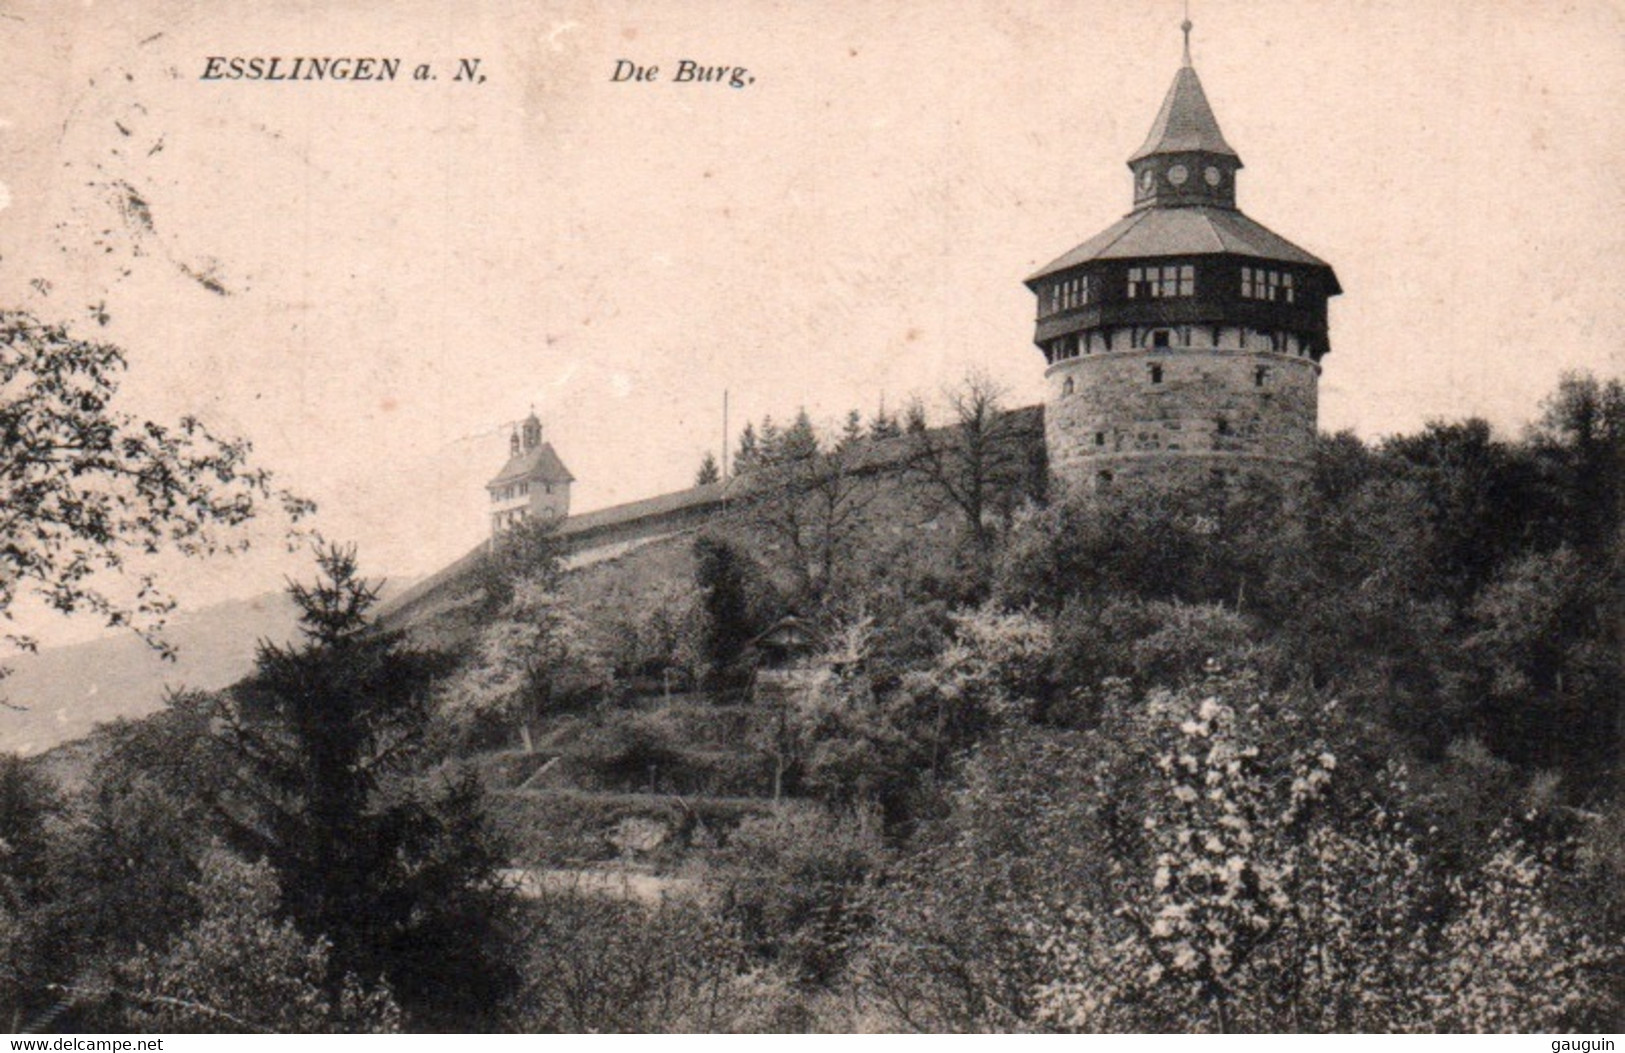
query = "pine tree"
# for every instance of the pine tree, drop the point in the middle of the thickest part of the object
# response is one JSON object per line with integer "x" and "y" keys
{"x": 709, "y": 472}
{"x": 749, "y": 452}
{"x": 768, "y": 438}
{"x": 852, "y": 431}
{"x": 720, "y": 570}
{"x": 799, "y": 441}
{"x": 393, "y": 867}
{"x": 883, "y": 425}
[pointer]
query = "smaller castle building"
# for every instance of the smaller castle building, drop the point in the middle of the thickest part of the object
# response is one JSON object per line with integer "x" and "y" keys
{"x": 533, "y": 484}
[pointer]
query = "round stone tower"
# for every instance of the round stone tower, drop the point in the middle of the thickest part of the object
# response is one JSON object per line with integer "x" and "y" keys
{"x": 1183, "y": 342}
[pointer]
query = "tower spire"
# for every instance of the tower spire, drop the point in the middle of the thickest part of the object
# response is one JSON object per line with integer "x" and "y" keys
{"x": 1185, "y": 27}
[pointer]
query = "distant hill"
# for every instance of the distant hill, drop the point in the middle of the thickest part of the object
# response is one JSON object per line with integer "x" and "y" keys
{"x": 66, "y": 691}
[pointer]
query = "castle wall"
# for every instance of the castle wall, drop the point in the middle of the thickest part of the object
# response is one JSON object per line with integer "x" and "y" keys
{"x": 1197, "y": 412}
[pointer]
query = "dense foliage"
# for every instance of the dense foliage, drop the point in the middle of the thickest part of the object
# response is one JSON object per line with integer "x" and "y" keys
{"x": 1345, "y": 757}
{"x": 85, "y": 486}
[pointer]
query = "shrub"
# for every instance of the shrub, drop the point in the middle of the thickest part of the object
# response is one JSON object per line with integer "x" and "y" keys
{"x": 793, "y": 882}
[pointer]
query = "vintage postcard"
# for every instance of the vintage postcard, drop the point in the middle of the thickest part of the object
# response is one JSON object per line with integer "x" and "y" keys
{"x": 927, "y": 516}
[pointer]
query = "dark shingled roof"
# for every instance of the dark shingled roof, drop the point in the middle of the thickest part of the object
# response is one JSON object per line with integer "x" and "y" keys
{"x": 1188, "y": 231}
{"x": 1185, "y": 123}
{"x": 541, "y": 463}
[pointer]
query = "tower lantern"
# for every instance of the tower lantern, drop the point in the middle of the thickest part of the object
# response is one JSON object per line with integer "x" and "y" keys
{"x": 1185, "y": 340}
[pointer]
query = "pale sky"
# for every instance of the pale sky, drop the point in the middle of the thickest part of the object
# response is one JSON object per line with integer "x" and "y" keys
{"x": 407, "y": 266}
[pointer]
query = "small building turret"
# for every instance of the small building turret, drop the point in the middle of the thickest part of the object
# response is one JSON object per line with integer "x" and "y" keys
{"x": 533, "y": 483}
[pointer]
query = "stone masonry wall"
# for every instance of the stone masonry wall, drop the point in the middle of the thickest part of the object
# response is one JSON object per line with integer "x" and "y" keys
{"x": 1212, "y": 412}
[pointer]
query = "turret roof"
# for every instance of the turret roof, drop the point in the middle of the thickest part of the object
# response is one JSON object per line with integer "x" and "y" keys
{"x": 540, "y": 463}
{"x": 1185, "y": 124}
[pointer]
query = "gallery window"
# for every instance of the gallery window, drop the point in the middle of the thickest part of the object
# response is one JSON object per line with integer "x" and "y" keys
{"x": 1161, "y": 282}
{"x": 1259, "y": 283}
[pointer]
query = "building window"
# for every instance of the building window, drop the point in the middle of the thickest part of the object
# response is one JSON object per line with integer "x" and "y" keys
{"x": 1261, "y": 374}
{"x": 1162, "y": 282}
{"x": 1067, "y": 295}
{"x": 1156, "y": 374}
{"x": 1222, "y": 425}
{"x": 1100, "y": 438}
{"x": 1160, "y": 337}
{"x": 1258, "y": 283}
{"x": 1103, "y": 481}
{"x": 1066, "y": 389}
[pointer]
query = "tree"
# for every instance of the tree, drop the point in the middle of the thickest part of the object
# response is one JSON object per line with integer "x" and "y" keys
{"x": 975, "y": 465}
{"x": 83, "y": 486}
{"x": 852, "y": 430}
{"x": 528, "y": 551}
{"x": 535, "y": 657}
{"x": 1582, "y": 433}
{"x": 1546, "y": 654}
{"x": 709, "y": 472}
{"x": 749, "y": 449}
{"x": 767, "y": 441}
{"x": 237, "y": 968}
{"x": 724, "y": 575}
{"x": 799, "y": 441}
{"x": 884, "y": 425}
{"x": 1259, "y": 876}
{"x": 808, "y": 509}
{"x": 389, "y": 863}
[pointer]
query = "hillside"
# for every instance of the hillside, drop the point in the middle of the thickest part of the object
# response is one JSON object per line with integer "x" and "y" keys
{"x": 64, "y": 692}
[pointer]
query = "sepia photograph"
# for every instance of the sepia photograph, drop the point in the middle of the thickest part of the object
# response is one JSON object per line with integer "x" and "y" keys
{"x": 755, "y": 516}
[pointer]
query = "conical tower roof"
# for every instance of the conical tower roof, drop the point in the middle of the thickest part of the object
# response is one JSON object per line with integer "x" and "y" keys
{"x": 1185, "y": 124}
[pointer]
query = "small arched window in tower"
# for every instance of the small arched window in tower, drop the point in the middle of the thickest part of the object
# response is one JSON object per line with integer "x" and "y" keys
{"x": 1067, "y": 388}
{"x": 1156, "y": 373}
{"x": 1103, "y": 481}
{"x": 1161, "y": 337}
{"x": 1100, "y": 438}
{"x": 1221, "y": 426}
{"x": 1260, "y": 375}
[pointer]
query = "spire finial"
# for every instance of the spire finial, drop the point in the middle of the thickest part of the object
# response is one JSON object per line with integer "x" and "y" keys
{"x": 1185, "y": 27}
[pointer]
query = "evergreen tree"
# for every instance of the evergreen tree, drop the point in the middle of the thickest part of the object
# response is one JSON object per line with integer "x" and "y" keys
{"x": 852, "y": 431}
{"x": 721, "y": 573}
{"x": 799, "y": 441}
{"x": 768, "y": 438}
{"x": 393, "y": 866}
{"x": 709, "y": 472}
{"x": 883, "y": 425}
{"x": 749, "y": 451}
{"x": 914, "y": 418}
